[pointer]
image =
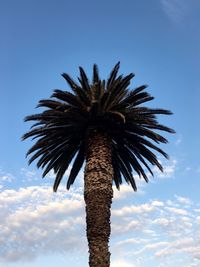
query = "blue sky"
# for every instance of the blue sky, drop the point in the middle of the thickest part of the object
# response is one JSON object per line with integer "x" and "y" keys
{"x": 157, "y": 40}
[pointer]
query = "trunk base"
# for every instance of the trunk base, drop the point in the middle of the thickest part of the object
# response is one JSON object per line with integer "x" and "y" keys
{"x": 102, "y": 255}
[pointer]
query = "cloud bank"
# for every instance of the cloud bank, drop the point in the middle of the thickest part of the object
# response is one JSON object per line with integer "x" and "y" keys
{"x": 34, "y": 222}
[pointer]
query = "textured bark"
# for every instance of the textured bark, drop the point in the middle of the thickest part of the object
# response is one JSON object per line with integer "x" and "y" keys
{"x": 98, "y": 195}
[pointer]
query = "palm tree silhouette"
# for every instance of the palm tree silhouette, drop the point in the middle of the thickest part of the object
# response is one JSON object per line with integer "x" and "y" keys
{"x": 103, "y": 123}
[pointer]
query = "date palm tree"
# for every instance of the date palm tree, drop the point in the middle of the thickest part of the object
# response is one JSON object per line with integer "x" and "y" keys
{"x": 104, "y": 124}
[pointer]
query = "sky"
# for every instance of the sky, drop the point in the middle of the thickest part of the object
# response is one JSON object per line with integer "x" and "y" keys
{"x": 157, "y": 40}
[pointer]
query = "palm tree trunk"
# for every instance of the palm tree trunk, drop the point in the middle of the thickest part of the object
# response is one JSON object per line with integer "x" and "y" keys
{"x": 98, "y": 195}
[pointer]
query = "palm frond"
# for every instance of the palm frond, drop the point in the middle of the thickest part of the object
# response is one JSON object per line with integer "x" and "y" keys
{"x": 95, "y": 74}
{"x": 78, "y": 163}
{"x": 126, "y": 171}
{"x": 70, "y": 81}
{"x": 117, "y": 175}
{"x": 67, "y": 97}
{"x": 113, "y": 75}
{"x": 84, "y": 80}
{"x": 62, "y": 128}
{"x": 64, "y": 163}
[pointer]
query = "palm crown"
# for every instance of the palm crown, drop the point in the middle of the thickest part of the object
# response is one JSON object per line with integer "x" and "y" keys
{"x": 62, "y": 129}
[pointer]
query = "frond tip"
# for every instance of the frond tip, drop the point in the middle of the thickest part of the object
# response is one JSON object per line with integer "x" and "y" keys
{"x": 62, "y": 128}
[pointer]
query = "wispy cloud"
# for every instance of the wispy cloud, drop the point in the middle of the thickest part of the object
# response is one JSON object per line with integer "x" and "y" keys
{"x": 177, "y": 211}
{"x": 184, "y": 200}
{"x": 176, "y": 10}
{"x": 122, "y": 263}
{"x": 160, "y": 230}
{"x": 35, "y": 221}
{"x": 184, "y": 245}
{"x": 169, "y": 168}
{"x": 5, "y": 178}
{"x": 179, "y": 140}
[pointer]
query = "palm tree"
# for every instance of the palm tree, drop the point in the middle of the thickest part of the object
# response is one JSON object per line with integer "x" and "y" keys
{"x": 103, "y": 123}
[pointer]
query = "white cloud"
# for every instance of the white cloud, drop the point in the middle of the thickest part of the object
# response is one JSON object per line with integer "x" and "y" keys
{"x": 152, "y": 246}
{"x": 183, "y": 200}
{"x": 157, "y": 245}
{"x": 121, "y": 263}
{"x": 35, "y": 221}
{"x": 131, "y": 241}
{"x": 176, "y": 10}
{"x": 5, "y": 178}
{"x": 29, "y": 177}
{"x": 179, "y": 140}
{"x": 144, "y": 208}
{"x": 160, "y": 230}
{"x": 125, "y": 227}
{"x": 177, "y": 211}
{"x": 162, "y": 221}
{"x": 169, "y": 168}
{"x": 184, "y": 245}
{"x": 198, "y": 219}
{"x": 157, "y": 203}
{"x": 124, "y": 191}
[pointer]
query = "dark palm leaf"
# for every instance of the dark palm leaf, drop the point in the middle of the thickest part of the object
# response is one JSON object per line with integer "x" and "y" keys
{"x": 62, "y": 129}
{"x": 68, "y": 97}
{"x": 52, "y": 104}
{"x": 113, "y": 75}
{"x": 95, "y": 74}
{"x": 78, "y": 163}
{"x": 64, "y": 164}
{"x": 137, "y": 139}
{"x": 70, "y": 81}
{"x": 126, "y": 170}
{"x": 84, "y": 80}
{"x": 117, "y": 174}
